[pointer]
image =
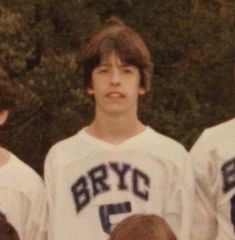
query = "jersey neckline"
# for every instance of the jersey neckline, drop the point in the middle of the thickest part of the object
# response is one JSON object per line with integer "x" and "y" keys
{"x": 104, "y": 144}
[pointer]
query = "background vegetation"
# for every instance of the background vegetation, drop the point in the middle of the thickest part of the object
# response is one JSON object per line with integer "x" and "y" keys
{"x": 192, "y": 46}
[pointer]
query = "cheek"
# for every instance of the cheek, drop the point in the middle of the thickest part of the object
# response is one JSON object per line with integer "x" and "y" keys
{"x": 95, "y": 88}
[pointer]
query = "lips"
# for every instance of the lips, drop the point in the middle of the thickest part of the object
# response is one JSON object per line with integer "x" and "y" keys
{"x": 115, "y": 95}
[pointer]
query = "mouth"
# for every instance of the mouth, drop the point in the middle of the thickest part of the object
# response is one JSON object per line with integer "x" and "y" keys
{"x": 115, "y": 95}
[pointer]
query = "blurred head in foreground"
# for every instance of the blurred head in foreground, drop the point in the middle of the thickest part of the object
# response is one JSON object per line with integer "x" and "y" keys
{"x": 143, "y": 227}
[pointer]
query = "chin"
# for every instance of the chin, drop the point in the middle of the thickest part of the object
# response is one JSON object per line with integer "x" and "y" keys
{"x": 116, "y": 111}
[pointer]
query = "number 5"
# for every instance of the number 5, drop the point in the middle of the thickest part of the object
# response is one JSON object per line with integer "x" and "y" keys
{"x": 111, "y": 209}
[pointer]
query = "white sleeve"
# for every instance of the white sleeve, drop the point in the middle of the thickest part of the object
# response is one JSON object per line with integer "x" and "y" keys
{"x": 36, "y": 221}
{"x": 204, "y": 214}
{"x": 181, "y": 199}
{"x": 49, "y": 176}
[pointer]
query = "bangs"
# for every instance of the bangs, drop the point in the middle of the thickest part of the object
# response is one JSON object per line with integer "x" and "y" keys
{"x": 123, "y": 47}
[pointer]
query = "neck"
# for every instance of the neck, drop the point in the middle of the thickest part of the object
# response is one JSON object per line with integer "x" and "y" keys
{"x": 115, "y": 129}
{"x": 4, "y": 156}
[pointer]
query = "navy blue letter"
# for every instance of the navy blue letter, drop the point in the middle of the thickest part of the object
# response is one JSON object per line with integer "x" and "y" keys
{"x": 228, "y": 171}
{"x": 121, "y": 172}
{"x": 98, "y": 176}
{"x": 110, "y": 209}
{"x": 80, "y": 193}
{"x": 138, "y": 176}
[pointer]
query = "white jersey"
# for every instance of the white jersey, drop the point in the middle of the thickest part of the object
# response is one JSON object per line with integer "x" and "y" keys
{"x": 92, "y": 185}
{"x": 23, "y": 199}
{"x": 214, "y": 165}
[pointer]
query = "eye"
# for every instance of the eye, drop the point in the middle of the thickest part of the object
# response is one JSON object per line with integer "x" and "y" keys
{"x": 127, "y": 70}
{"x": 102, "y": 70}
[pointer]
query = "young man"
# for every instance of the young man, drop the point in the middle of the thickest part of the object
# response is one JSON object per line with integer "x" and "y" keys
{"x": 22, "y": 195}
{"x": 116, "y": 166}
{"x": 142, "y": 227}
{"x": 214, "y": 166}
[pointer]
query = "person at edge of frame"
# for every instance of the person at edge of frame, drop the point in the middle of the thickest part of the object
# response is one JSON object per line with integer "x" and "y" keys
{"x": 23, "y": 201}
{"x": 213, "y": 157}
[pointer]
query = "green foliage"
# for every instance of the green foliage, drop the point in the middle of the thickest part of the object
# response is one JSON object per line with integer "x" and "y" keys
{"x": 192, "y": 46}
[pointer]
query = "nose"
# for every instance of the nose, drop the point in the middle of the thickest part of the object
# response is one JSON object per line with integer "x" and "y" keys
{"x": 115, "y": 77}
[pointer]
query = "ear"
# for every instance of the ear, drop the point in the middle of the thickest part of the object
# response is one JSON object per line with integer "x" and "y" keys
{"x": 3, "y": 116}
{"x": 90, "y": 90}
{"x": 142, "y": 91}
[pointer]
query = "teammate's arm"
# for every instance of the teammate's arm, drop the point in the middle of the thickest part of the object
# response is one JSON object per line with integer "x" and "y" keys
{"x": 204, "y": 214}
{"x": 49, "y": 176}
{"x": 181, "y": 198}
{"x": 36, "y": 222}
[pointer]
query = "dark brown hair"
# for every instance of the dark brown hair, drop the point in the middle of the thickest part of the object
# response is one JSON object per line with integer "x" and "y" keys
{"x": 6, "y": 92}
{"x": 7, "y": 231}
{"x": 117, "y": 37}
{"x": 143, "y": 227}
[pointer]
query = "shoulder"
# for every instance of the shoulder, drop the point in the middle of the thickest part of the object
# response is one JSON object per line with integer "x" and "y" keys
{"x": 67, "y": 145}
{"x": 19, "y": 176}
{"x": 67, "y": 150}
{"x": 165, "y": 142}
{"x": 221, "y": 129}
{"x": 172, "y": 154}
{"x": 165, "y": 147}
{"x": 213, "y": 136}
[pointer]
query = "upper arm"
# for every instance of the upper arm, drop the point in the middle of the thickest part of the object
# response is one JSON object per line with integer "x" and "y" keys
{"x": 205, "y": 171}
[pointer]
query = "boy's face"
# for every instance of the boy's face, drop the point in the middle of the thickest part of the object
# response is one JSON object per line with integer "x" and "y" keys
{"x": 115, "y": 86}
